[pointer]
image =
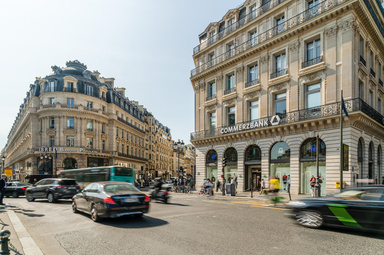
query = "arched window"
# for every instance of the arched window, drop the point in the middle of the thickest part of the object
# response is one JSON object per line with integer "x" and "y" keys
{"x": 211, "y": 165}
{"x": 370, "y": 161}
{"x": 360, "y": 158}
{"x": 279, "y": 164}
{"x": 211, "y": 157}
{"x": 253, "y": 152}
{"x": 69, "y": 163}
{"x": 231, "y": 156}
{"x": 280, "y": 152}
{"x": 308, "y": 150}
{"x": 379, "y": 176}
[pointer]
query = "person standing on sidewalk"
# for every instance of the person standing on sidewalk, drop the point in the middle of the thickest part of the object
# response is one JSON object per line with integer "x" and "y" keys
{"x": 3, "y": 184}
{"x": 312, "y": 184}
{"x": 262, "y": 186}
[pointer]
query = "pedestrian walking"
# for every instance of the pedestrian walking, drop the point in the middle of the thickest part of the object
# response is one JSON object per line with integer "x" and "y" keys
{"x": 274, "y": 186}
{"x": 3, "y": 184}
{"x": 312, "y": 184}
{"x": 218, "y": 185}
{"x": 262, "y": 186}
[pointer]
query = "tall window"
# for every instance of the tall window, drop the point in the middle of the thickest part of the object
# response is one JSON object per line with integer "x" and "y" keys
{"x": 51, "y": 86}
{"x": 212, "y": 120}
{"x": 90, "y": 125}
{"x": 280, "y": 103}
{"x": 231, "y": 115}
{"x": 211, "y": 90}
{"x": 117, "y": 131}
{"x": 280, "y": 62}
{"x": 253, "y": 38}
{"x": 103, "y": 145}
{"x": 361, "y": 47}
{"x": 370, "y": 98}
{"x": 254, "y": 110}
{"x": 70, "y": 122}
{"x": 103, "y": 108}
{"x": 89, "y": 142}
{"x": 51, "y": 141}
{"x": 379, "y": 71}
{"x": 230, "y": 50}
{"x": 70, "y": 87}
{"x": 313, "y": 7}
{"x": 103, "y": 128}
{"x": 51, "y": 100}
{"x": 70, "y": 101}
{"x": 253, "y": 73}
{"x": 90, "y": 104}
{"x": 52, "y": 122}
{"x": 253, "y": 12}
{"x": 361, "y": 89}
{"x": 280, "y": 24}
{"x": 89, "y": 90}
{"x": 70, "y": 141}
{"x": 212, "y": 37}
{"x": 230, "y": 81}
{"x": 313, "y": 49}
{"x": 211, "y": 57}
{"x": 313, "y": 95}
{"x": 371, "y": 60}
{"x": 379, "y": 105}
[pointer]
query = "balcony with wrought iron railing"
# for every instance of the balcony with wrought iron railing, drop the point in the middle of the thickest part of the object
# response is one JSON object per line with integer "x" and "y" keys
{"x": 66, "y": 89}
{"x": 373, "y": 73}
{"x": 312, "y": 62}
{"x": 251, "y": 83}
{"x": 380, "y": 82}
{"x": 129, "y": 124}
{"x": 229, "y": 91}
{"x": 328, "y": 110}
{"x": 271, "y": 33}
{"x": 279, "y": 73}
{"x": 131, "y": 156}
{"x": 210, "y": 97}
{"x": 242, "y": 21}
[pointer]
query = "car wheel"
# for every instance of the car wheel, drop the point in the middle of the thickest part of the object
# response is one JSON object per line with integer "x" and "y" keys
{"x": 94, "y": 215}
{"x": 30, "y": 198}
{"x": 51, "y": 198}
{"x": 14, "y": 194}
{"x": 165, "y": 200}
{"x": 74, "y": 207}
{"x": 310, "y": 219}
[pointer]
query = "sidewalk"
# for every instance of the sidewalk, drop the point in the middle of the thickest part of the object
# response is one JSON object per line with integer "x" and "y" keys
{"x": 20, "y": 242}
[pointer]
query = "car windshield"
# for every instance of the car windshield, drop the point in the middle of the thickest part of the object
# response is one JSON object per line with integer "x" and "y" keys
{"x": 123, "y": 171}
{"x": 23, "y": 184}
{"x": 113, "y": 188}
{"x": 359, "y": 194}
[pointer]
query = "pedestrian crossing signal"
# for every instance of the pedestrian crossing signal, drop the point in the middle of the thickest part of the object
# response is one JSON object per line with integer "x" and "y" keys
{"x": 224, "y": 162}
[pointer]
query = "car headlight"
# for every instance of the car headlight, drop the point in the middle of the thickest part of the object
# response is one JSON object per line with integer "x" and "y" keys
{"x": 296, "y": 203}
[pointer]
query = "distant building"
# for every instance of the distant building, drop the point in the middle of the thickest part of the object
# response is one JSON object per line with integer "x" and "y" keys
{"x": 267, "y": 82}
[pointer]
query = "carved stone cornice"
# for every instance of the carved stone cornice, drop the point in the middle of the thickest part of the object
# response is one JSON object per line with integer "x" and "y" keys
{"x": 239, "y": 69}
{"x": 264, "y": 58}
{"x": 278, "y": 87}
{"x": 70, "y": 131}
{"x": 104, "y": 136}
{"x": 89, "y": 133}
{"x": 210, "y": 108}
{"x": 310, "y": 77}
{"x": 229, "y": 102}
{"x": 331, "y": 31}
{"x": 219, "y": 77}
{"x": 253, "y": 95}
{"x": 347, "y": 25}
{"x": 294, "y": 47}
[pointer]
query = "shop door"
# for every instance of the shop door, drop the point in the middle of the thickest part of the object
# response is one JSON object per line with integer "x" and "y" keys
{"x": 256, "y": 177}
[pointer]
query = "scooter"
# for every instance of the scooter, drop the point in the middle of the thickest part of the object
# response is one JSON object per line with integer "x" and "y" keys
{"x": 162, "y": 195}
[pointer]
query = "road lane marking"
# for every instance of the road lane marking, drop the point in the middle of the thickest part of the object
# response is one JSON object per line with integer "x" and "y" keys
{"x": 257, "y": 204}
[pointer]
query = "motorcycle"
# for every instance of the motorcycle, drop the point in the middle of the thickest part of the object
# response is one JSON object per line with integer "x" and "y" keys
{"x": 162, "y": 195}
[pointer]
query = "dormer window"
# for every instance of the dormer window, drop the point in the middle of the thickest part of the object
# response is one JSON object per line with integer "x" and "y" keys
{"x": 51, "y": 86}
{"x": 89, "y": 90}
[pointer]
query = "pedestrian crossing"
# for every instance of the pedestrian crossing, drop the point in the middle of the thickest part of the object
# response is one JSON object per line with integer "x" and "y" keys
{"x": 251, "y": 203}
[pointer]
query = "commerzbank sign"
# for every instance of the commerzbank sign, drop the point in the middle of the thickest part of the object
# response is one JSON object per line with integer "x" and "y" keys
{"x": 273, "y": 121}
{"x": 68, "y": 149}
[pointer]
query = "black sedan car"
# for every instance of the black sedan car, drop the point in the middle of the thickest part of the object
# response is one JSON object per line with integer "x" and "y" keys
{"x": 360, "y": 207}
{"x": 52, "y": 189}
{"x": 110, "y": 200}
{"x": 15, "y": 189}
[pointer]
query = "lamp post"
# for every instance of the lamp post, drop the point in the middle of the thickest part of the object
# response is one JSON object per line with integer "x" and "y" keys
{"x": 46, "y": 157}
{"x": 178, "y": 146}
{"x": 3, "y": 166}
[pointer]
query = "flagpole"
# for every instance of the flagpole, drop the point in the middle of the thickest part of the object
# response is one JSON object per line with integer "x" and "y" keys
{"x": 341, "y": 141}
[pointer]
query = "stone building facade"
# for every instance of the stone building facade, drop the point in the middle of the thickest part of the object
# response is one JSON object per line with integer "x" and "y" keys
{"x": 268, "y": 82}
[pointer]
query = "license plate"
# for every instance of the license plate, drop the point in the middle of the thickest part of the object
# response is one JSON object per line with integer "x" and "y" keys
{"x": 72, "y": 188}
{"x": 130, "y": 200}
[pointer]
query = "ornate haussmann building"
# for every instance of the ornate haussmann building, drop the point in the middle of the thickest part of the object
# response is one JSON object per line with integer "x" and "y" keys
{"x": 74, "y": 118}
{"x": 268, "y": 82}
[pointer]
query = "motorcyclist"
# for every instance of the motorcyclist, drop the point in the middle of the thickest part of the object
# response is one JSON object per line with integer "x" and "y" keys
{"x": 157, "y": 186}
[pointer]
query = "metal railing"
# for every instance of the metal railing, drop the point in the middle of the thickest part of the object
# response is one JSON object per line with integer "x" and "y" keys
{"x": 271, "y": 33}
{"x": 66, "y": 89}
{"x": 381, "y": 82}
{"x": 69, "y": 106}
{"x": 90, "y": 109}
{"x": 131, "y": 156}
{"x": 373, "y": 73}
{"x": 210, "y": 97}
{"x": 251, "y": 83}
{"x": 229, "y": 91}
{"x": 279, "y": 73}
{"x": 129, "y": 124}
{"x": 312, "y": 62}
{"x": 248, "y": 18}
{"x": 328, "y": 110}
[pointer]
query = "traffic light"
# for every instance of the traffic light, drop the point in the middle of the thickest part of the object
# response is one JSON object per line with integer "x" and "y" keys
{"x": 181, "y": 169}
{"x": 224, "y": 162}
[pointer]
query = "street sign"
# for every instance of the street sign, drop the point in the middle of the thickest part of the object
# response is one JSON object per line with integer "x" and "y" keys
{"x": 8, "y": 171}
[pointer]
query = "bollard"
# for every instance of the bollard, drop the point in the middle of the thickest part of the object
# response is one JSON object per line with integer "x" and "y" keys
{"x": 4, "y": 238}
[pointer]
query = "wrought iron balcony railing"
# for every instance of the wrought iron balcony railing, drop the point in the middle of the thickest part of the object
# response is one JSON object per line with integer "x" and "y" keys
{"x": 66, "y": 89}
{"x": 362, "y": 60}
{"x": 271, "y": 33}
{"x": 312, "y": 62}
{"x": 373, "y": 73}
{"x": 381, "y": 82}
{"x": 279, "y": 73}
{"x": 328, "y": 110}
{"x": 229, "y": 91}
{"x": 129, "y": 124}
{"x": 131, "y": 156}
{"x": 248, "y": 18}
{"x": 251, "y": 83}
{"x": 210, "y": 97}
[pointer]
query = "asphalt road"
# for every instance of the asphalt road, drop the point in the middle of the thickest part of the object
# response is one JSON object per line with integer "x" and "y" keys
{"x": 190, "y": 224}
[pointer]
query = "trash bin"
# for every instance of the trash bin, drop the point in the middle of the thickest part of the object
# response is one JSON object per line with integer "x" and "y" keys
{"x": 233, "y": 190}
{"x": 228, "y": 189}
{"x": 338, "y": 185}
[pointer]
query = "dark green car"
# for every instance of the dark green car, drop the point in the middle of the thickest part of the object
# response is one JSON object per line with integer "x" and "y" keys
{"x": 360, "y": 207}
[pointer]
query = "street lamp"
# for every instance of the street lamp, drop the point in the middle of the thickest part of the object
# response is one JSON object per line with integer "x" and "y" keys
{"x": 46, "y": 157}
{"x": 178, "y": 146}
{"x": 3, "y": 159}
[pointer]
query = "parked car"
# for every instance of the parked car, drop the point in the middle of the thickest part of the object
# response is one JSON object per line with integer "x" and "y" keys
{"x": 52, "y": 189}
{"x": 110, "y": 200}
{"x": 15, "y": 189}
{"x": 359, "y": 207}
{"x": 33, "y": 178}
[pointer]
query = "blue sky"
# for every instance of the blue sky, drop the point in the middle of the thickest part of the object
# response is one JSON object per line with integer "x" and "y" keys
{"x": 145, "y": 45}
